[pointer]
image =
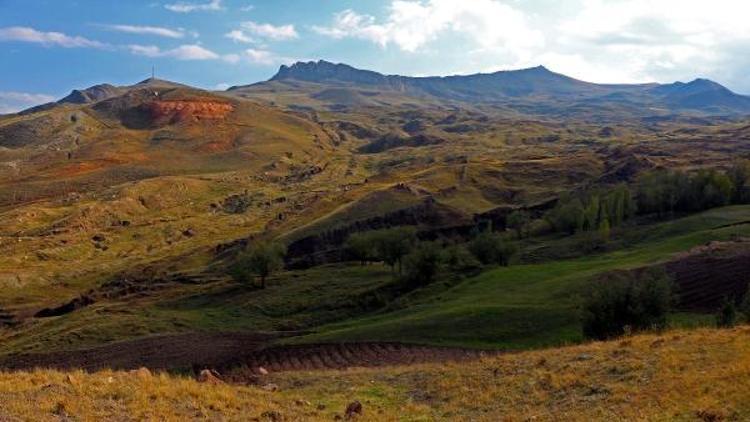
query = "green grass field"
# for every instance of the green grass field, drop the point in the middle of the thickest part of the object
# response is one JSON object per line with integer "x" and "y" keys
{"x": 528, "y": 306}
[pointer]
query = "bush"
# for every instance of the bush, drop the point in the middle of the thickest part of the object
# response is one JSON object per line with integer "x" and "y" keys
{"x": 260, "y": 260}
{"x": 490, "y": 248}
{"x": 627, "y": 301}
{"x": 728, "y": 315}
{"x": 423, "y": 263}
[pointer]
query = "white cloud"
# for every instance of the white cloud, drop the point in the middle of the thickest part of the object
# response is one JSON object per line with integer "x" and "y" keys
{"x": 31, "y": 35}
{"x": 598, "y": 40}
{"x": 183, "y": 52}
{"x": 147, "y": 30}
{"x": 239, "y": 36}
{"x": 11, "y": 102}
{"x": 247, "y": 8}
{"x": 410, "y": 25}
{"x": 222, "y": 86}
{"x": 185, "y": 7}
{"x": 266, "y": 30}
{"x": 265, "y": 57}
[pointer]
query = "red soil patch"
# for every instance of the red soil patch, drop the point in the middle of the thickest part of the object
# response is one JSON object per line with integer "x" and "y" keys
{"x": 178, "y": 111}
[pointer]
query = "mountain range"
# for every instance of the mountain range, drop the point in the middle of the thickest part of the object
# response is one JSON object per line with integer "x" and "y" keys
{"x": 536, "y": 91}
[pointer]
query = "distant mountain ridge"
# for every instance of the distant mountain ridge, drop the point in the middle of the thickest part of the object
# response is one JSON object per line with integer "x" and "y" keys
{"x": 532, "y": 85}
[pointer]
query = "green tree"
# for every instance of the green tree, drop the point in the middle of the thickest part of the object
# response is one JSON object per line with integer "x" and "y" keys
{"x": 728, "y": 315}
{"x": 626, "y": 300}
{"x": 568, "y": 216}
{"x": 423, "y": 263}
{"x": 490, "y": 248}
{"x": 745, "y": 305}
{"x": 260, "y": 260}
{"x": 459, "y": 259}
{"x": 739, "y": 174}
{"x": 519, "y": 221}
{"x": 392, "y": 245}
{"x": 360, "y": 246}
{"x": 604, "y": 229}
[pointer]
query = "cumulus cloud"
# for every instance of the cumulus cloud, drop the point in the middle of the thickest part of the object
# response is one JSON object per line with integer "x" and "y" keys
{"x": 183, "y": 52}
{"x": 410, "y": 25}
{"x": 12, "y": 102}
{"x": 31, "y": 35}
{"x": 265, "y": 57}
{"x": 147, "y": 30}
{"x": 239, "y": 36}
{"x": 185, "y": 7}
{"x": 598, "y": 40}
{"x": 273, "y": 32}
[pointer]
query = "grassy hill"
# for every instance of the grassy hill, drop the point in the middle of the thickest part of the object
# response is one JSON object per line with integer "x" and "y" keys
{"x": 648, "y": 377}
{"x": 535, "y": 305}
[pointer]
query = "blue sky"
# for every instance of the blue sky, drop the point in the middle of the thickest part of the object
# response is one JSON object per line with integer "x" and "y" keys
{"x": 48, "y": 47}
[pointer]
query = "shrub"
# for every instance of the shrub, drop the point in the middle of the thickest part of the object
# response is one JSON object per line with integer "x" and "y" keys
{"x": 490, "y": 248}
{"x": 626, "y": 301}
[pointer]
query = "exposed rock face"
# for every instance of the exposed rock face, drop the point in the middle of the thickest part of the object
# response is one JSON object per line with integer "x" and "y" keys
{"x": 178, "y": 111}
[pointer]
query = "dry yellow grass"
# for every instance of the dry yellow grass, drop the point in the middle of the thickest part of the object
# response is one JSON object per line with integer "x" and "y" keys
{"x": 681, "y": 375}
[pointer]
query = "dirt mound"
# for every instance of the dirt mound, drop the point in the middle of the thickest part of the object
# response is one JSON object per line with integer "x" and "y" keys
{"x": 707, "y": 274}
{"x": 178, "y": 111}
{"x": 342, "y": 356}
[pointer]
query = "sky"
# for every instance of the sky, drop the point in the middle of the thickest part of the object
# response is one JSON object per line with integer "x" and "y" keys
{"x": 49, "y": 47}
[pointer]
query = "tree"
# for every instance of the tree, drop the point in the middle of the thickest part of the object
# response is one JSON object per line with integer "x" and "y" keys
{"x": 519, "y": 221}
{"x": 490, "y": 248}
{"x": 739, "y": 174}
{"x": 604, "y": 229}
{"x": 459, "y": 259}
{"x": 745, "y": 305}
{"x": 260, "y": 260}
{"x": 626, "y": 300}
{"x": 423, "y": 263}
{"x": 727, "y": 316}
{"x": 392, "y": 245}
{"x": 568, "y": 216}
{"x": 361, "y": 247}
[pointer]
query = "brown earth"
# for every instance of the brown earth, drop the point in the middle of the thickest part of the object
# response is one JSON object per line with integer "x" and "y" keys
{"x": 707, "y": 274}
{"x": 237, "y": 355}
{"x": 342, "y": 356}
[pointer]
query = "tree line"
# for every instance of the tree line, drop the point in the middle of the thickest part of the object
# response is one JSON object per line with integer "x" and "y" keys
{"x": 659, "y": 192}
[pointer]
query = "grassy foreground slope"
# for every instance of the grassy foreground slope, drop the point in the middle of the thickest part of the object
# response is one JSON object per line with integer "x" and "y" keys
{"x": 535, "y": 305}
{"x": 695, "y": 375}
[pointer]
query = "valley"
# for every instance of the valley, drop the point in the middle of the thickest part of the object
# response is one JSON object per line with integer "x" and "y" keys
{"x": 126, "y": 210}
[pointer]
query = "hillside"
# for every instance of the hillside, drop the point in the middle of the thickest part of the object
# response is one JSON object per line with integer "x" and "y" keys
{"x": 638, "y": 378}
